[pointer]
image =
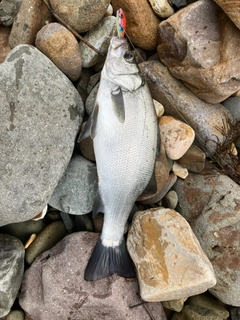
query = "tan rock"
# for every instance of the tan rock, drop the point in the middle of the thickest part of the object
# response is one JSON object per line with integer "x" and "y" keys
{"x": 177, "y": 136}
{"x": 4, "y": 46}
{"x": 159, "y": 108}
{"x": 81, "y": 15}
{"x": 194, "y": 159}
{"x": 169, "y": 260}
{"x": 31, "y": 17}
{"x": 138, "y": 13}
{"x": 179, "y": 170}
{"x": 200, "y": 46}
{"x": 86, "y": 146}
{"x": 231, "y": 8}
{"x": 175, "y": 305}
{"x": 162, "y": 8}
{"x": 60, "y": 46}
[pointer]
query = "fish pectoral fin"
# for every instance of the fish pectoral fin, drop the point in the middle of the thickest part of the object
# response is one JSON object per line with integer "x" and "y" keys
{"x": 90, "y": 127}
{"x": 98, "y": 205}
{"x": 118, "y": 104}
{"x": 106, "y": 261}
{"x": 151, "y": 188}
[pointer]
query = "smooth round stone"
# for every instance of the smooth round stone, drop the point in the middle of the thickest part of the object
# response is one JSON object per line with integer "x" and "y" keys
{"x": 177, "y": 136}
{"x": 162, "y": 8}
{"x": 11, "y": 271}
{"x": 4, "y": 46}
{"x": 31, "y": 17}
{"x": 171, "y": 199}
{"x": 48, "y": 238}
{"x": 16, "y": 315}
{"x": 60, "y": 46}
{"x": 81, "y": 15}
{"x": 8, "y": 11}
{"x": 159, "y": 108}
{"x": 99, "y": 37}
{"x": 193, "y": 160}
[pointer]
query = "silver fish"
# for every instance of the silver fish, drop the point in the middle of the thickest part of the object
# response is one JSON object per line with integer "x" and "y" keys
{"x": 124, "y": 129}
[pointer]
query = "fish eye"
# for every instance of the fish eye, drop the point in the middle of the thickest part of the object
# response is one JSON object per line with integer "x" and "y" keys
{"x": 128, "y": 56}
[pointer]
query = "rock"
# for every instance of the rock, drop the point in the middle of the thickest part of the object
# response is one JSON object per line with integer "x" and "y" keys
{"x": 208, "y": 302}
{"x": 36, "y": 143}
{"x": 169, "y": 260}
{"x": 99, "y": 36}
{"x": 8, "y": 11}
{"x": 210, "y": 202}
{"x": 162, "y": 8}
{"x": 91, "y": 99}
{"x": 196, "y": 313}
{"x": 193, "y": 159}
{"x": 231, "y": 8}
{"x": 136, "y": 12}
{"x": 200, "y": 46}
{"x": 81, "y": 15}
{"x": 209, "y": 121}
{"x": 48, "y": 238}
{"x": 68, "y": 221}
{"x": 170, "y": 200}
{"x": 83, "y": 223}
{"x": 54, "y": 285}
{"x": 175, "y": 305}
{"x": 11, "y": 271}
{"x": 179, "y": 170}
{"x": 177, "y": 136}
{"x": 232, "y": 104}
{"x": 235, "y": 313}
{"x": 76, "y": 191}
{"x": 60, "y": 46}
{"x": 82, "y": 83}
{"x": 93, "y": 81}
{"x": 4, "y": 46}
{"x": 23, "y": 230}
{"x": 179, "y": 3}
{"x": 161, "y": 173}
{"x": 159, "y": 108}
{"x": 86, "y": 147}
{"x": 16, "y": 315}
{"x": 31, "y": 17}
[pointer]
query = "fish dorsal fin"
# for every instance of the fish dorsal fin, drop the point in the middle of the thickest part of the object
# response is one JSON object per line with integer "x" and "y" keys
{"x": 90, "y": 127}
{"x": 98, "y": 205}
{"x": 118, "y": 104}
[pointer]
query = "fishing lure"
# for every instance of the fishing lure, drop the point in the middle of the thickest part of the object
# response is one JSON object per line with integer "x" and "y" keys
{"x": 121, "y": 23}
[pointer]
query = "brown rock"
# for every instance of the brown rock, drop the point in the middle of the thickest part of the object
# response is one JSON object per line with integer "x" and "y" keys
{"x": 31, "y": 17}
{"x": 209, "y": 121}
{"x": 193, "y": 160}
{"x": 4, "y": 46}
{"x": 232, "y": 9}
{"x": 81, "y": 15}
{"x": 60, "y": 46}
{"x": 138, "y": 13}
{"x": 201, "y": 46}
{"x": 169, "y": 260}
{"x": 54, "y": 287}
{"x": 86, "y": 146}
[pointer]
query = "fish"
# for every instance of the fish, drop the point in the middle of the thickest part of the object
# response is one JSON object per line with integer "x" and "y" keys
{"x": 124, "y": 129}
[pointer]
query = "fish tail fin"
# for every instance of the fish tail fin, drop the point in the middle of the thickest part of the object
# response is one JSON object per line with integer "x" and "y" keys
{"x": 106, "y": 261}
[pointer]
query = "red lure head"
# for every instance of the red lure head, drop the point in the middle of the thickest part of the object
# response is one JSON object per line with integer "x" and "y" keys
{"x": 121, "y": 23}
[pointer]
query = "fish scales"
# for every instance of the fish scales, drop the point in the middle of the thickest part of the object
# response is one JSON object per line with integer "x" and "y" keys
{"x": 125, "y": 142}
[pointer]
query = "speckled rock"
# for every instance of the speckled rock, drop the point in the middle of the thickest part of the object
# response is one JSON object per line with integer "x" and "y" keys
{"x": 200, "y": 46}
{"x": 76, "y": 191}
{"x": 163, "y": 247}
{"x": 46, "y": 239}
{"x": 60, "y": 46}
{"x": 193, "y": 160}
{"x": 81, "y": 15}
{"x": 210, "y": 202}
{"x": 207, "y": 120}
{"x": 11, "y": 271}
{"x": 36, "y": 142}
{"x": 99, "y": 36}
{"x": 177, "y": 136}
{"x": 31, "y": 17}
{"x": 138, "y": 11}
{"x": 8, "y": 11}
{"x": 4, "y": 46}
{"x": 54, "y": 287}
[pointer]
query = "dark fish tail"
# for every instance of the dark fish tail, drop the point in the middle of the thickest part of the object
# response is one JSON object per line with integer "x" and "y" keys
{"x": 106, "y": 261}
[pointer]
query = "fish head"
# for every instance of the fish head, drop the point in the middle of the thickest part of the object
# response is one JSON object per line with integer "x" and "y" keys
{"x": 120, "y": 66}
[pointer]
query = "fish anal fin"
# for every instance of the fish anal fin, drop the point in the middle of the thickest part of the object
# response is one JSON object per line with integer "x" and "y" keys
{"x": 106, "y": 261}
{"x": 98, "y": 205}
{"x": 151, "y": 187}
{"x": 118, "y": 104}
{"x": 90, "y": 127}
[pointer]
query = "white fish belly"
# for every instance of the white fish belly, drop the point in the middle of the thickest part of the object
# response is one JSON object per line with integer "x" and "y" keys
{"x": 125, "y": 155}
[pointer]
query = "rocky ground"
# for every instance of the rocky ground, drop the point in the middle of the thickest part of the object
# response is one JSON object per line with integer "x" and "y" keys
{"x": 184, "y": 239}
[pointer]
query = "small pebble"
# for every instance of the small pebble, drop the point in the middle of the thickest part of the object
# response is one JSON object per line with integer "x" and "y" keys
{"x": 16, "y": 315}
{"x": 179, "y": 170}
{"x": 175, "y": 305}
{"x": 170, "y": 200}
{"x": 162, "y": 8}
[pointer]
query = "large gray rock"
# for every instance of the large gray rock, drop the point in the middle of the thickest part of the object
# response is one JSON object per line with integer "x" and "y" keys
{"x": 54, "y": 287}
{"x": 76, "y": 191}
{"x": 11, "y": 271}
{"x": 40, "y": 115}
